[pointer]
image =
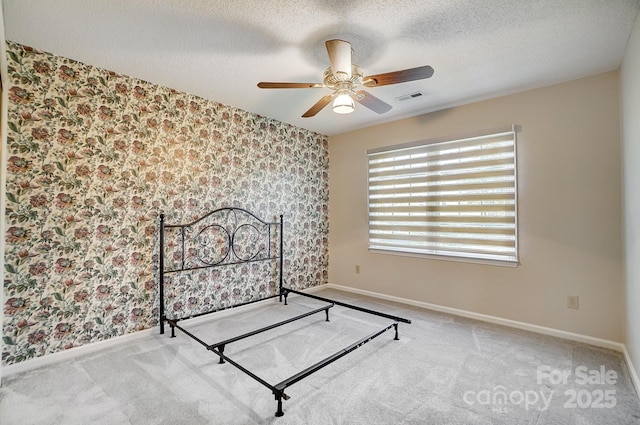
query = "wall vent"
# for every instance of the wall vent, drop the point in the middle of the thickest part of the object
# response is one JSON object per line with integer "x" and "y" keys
{"x": 411, "y": 96}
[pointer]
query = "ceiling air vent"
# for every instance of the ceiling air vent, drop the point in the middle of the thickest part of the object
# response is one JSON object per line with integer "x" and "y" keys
{"x": 411, "y": 96}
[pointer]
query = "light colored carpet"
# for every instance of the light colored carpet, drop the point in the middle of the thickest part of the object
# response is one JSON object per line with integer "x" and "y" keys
{"x": 443, "y": 370}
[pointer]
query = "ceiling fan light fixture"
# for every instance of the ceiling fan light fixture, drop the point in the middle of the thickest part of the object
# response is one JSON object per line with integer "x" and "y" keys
{"x": 343, "y": 104}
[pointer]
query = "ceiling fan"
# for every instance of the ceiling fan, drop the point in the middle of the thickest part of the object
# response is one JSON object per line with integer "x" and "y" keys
{"x": 344, "y": 78}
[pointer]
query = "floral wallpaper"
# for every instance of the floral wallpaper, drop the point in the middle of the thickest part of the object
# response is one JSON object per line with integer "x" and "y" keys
{"x": 94, "y": 157}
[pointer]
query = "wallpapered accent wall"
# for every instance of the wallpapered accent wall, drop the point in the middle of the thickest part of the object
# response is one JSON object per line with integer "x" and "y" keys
{"x": 94, "y": 156}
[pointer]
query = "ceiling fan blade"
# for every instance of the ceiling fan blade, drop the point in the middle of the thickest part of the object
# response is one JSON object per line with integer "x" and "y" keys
{"x": 403, "y": 76}
{"x": 372, "y": 102}
{"x": 270, "y": 85}
{"x": 340, "y": 57}
{"x": 318, "y": 106}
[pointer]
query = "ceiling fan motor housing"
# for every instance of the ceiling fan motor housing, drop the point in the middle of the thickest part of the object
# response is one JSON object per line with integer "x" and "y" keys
{"x": 342, "y": 80}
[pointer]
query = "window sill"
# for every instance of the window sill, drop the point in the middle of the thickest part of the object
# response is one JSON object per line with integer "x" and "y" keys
{"x": 483, "y": 261}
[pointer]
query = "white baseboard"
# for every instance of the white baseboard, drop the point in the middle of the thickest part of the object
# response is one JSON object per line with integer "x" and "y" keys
{"x": 617, "y": 346}
{"x": 71, "y": 353}
{"x": 632, "y": 371}
{"x": 598, "y": 342}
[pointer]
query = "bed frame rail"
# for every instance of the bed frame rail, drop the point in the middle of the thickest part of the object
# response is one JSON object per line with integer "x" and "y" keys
{"x": 286, "y": 292}
{"x": 280, "y": 387}
{"x": 220, "y": 345}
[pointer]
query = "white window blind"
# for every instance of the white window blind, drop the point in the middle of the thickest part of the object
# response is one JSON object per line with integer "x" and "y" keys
{"x": 454, "y": 198}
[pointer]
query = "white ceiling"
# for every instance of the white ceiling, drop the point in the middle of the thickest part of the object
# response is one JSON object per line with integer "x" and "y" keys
{"x": 220, "y": 49}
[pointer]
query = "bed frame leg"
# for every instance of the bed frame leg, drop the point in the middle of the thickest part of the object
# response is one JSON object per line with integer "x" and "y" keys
{"x": 395, "y": 326}
{"x": 326, "y": 310}
{"x": 173, "y": 331}
{"x": 286, "y": 294}
{"x": 221, "y": 349}
{"x": 279, "y": 412}
{"x": 279, "y": 396}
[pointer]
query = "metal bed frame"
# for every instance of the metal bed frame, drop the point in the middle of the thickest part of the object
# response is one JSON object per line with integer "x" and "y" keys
{"x": 200, "y": 245}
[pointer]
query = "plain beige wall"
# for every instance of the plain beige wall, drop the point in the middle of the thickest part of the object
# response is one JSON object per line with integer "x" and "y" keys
{"x": 630, "y": 94}
{"x": 570, "y": 214}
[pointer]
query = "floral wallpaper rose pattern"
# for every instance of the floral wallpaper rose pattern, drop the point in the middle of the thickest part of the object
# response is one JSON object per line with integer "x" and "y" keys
{"x": 94, "y": 156}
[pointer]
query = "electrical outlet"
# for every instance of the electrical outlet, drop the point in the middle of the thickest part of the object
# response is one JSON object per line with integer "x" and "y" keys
{"x": 573, "y": 301}
{"x": 357, "y": 268}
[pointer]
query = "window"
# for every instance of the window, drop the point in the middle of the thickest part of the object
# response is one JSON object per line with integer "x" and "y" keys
{"x": 450, "y": 198}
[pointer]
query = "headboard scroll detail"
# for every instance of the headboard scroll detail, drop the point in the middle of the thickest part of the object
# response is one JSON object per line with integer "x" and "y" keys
{"x": 222, "y": 237}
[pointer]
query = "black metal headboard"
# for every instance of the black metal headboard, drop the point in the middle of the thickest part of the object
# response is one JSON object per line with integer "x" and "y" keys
{"x": 222, "y": 237}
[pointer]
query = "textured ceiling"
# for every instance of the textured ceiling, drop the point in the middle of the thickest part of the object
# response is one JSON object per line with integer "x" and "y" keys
{"x": 220, "y": 49}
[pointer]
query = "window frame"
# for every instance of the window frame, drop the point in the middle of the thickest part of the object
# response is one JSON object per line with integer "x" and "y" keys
{"x": 512, "y": 260}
